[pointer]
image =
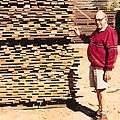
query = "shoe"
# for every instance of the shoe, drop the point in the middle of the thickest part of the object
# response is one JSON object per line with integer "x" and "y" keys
{"x": 98, "y": 113}
{"x": 101, "y": 115}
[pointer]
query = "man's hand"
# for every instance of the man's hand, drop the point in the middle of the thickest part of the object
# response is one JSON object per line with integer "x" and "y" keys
{"x": 77, "y": 30}
{"x": 107, "y": 75}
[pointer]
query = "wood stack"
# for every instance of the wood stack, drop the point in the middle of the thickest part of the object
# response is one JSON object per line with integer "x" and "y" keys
{"x": 92, "y": 4}
{"x": 36, "y": 61}
{"x": 84, "y": 13}
{"x": 31, "y": 73}
{"x": 34, "y": 19}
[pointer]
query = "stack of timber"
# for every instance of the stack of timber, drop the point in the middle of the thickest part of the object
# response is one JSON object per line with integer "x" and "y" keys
{"x": 37, "y": 62}
{"x": 34, "y": 19}
{"x": 91, "y": 4}
{"x": 37, "y": 72}
{"x": 83, "y": 17}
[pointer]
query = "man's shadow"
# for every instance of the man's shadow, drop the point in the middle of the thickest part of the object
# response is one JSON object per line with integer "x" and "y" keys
{"x": 74, "y": 106}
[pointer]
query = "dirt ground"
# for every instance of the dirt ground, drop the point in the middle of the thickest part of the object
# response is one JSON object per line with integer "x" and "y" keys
{"x": 87, "y": 100}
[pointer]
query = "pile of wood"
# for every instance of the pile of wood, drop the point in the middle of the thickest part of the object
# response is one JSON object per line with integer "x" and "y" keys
{"x": 37, "y": 62}
{"x": 34, "y": 19}
{"x": 91, "y": 4}
{"x": 84, "y": 19}
{"x": 33, "y": 72}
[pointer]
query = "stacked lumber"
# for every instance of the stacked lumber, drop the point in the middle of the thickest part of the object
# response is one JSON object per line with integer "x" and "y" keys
{"x": 37, "y": 62}
{"x": 92, "y": 4}
{"x": 34, "y": 19}
{"x": 32, "y": 73}
{"x": 83, "y": 17}
{"x": 87, "y": 24}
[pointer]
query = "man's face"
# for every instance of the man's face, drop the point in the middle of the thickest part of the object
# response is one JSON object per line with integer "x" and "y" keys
{"x": 101, "y": 21}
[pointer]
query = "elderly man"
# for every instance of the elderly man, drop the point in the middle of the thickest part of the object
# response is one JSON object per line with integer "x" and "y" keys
{"x": 102, "y": 54}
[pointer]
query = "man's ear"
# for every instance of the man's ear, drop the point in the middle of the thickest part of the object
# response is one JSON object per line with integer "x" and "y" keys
{"x": 106, "y": 18}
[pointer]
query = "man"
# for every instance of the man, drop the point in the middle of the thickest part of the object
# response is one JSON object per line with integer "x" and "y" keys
{"x": 102, "y": 54}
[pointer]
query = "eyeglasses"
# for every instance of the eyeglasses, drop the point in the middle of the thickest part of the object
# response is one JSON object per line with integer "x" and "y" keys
{"x": 99, "y": 19}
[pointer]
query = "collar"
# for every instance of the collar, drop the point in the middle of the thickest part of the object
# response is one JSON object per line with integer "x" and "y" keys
{"x": 103, "y": 29}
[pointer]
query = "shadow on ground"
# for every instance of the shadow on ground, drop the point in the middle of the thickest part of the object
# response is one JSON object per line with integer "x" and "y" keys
{"x": 73, "y": 105}
{"x": 70, "y": 103}
{"x": 36, "y": 105}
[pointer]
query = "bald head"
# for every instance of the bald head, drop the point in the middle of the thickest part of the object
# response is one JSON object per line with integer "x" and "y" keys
{"x": 101, "y": 20}
{"x": 100, "y": 14}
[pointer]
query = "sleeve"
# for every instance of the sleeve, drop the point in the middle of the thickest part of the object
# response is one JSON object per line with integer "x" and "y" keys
{"x": 111, "y": 50}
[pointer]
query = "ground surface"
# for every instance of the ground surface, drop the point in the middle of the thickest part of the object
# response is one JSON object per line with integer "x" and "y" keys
{"x": 87, "y": 100}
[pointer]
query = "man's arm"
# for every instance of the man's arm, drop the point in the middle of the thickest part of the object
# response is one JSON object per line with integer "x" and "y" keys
{"x": 111, "y": 53}
{"x": 111, "y": 50}
{"x": 85, "y": 38}
{"x": 77, "y": 31}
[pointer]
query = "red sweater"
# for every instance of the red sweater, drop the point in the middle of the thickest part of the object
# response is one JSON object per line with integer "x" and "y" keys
{"x": 102, "y": 50}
